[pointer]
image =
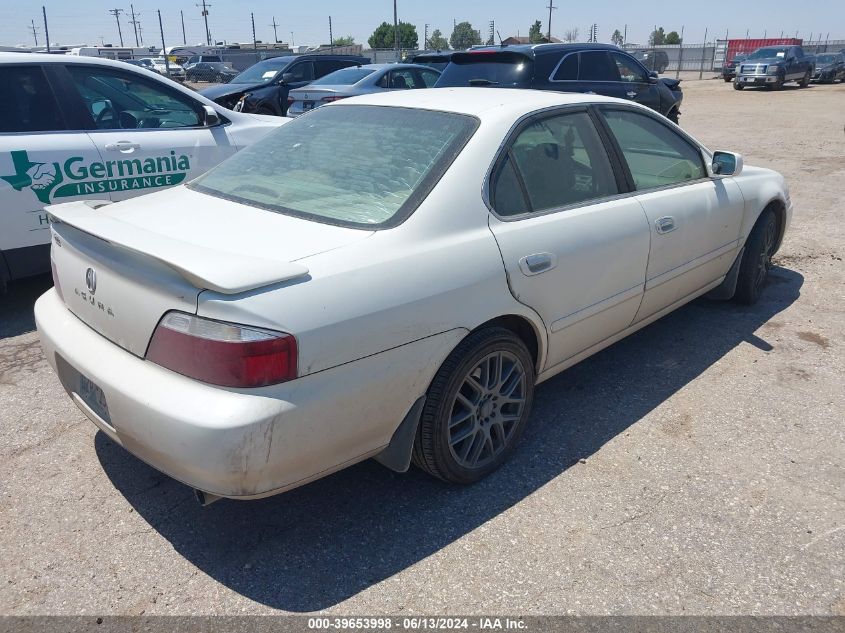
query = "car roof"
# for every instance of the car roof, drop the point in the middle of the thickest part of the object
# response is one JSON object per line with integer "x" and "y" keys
{"x": 541, "y": 49}
{"x": 479, "y": 102}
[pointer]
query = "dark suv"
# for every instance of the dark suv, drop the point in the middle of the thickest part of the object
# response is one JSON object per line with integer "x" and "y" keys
{"x": 593, "y": 68}
{"x": 263, "y": 88}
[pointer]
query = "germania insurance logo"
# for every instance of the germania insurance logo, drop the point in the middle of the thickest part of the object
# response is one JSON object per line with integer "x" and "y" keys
{"x": 76, "y": 177}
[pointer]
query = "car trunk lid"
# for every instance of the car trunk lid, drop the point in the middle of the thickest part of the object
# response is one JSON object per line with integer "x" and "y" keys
{"x": 120, "y": 268}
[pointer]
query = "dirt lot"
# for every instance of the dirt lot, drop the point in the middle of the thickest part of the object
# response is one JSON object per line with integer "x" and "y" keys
{"x": 696, "y": 467}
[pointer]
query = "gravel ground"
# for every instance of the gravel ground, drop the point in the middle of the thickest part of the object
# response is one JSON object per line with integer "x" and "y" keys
{"x": 696, "y": 467}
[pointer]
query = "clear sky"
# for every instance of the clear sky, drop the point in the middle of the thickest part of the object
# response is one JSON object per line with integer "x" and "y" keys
{"x": 86, "y": 21}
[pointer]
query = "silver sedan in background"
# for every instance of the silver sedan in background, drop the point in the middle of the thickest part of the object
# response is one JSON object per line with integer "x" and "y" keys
{"x": 360, "y": 80}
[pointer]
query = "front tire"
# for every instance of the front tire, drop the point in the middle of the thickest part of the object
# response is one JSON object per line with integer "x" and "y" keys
{"x": 476, "y": 407}
{"x": 673, "y": 115}
{"x": 738, "y": 86}
{"x": 757, "y": 259}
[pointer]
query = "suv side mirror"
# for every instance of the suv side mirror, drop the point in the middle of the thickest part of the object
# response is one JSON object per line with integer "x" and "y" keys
{"x": 727, "y": 163}
{"x": 653, "y": 77}
{"x": 287, "y": 78}
{"x": 211, "y": 118}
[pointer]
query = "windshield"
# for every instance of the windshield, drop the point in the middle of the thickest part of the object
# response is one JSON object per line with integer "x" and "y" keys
{"x": 262, "y": 72}
{"x": 826, "y": 59}
{"x": 487, "y": 69}
{"x": 361, "y": 166}
{"x": 344, "y": 77}
{"x": 765, "y": 53}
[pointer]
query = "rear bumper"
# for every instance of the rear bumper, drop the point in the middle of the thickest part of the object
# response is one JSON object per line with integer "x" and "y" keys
{"x": 247, "y": 443}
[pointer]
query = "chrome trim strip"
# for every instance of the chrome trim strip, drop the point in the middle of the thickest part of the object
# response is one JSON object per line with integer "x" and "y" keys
{"x": 599, "y": 306}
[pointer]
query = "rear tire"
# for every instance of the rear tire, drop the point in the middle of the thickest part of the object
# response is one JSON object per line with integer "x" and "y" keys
{"x": 727, "y": 79}
{"x": 757, "y": 259}
{"x": 476, "y": 407}
{"x": 673, "y": 115}
{"x": 805, "y": 81}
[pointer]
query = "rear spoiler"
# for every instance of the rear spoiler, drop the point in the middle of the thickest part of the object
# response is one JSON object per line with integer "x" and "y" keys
{"x": 221, "y": 271}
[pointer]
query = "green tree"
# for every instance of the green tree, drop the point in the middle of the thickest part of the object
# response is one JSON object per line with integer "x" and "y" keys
{"x": 672, "y": 37}
{"x": 617, "y": 38}
{"x": 535, "y": 33}
{"x": 437, "y": 41}
{"x": 464, "y": 36}
{"x": 344, "y": 41}
{"x": 384, "y": 36}
{"x": 657, "y": 38}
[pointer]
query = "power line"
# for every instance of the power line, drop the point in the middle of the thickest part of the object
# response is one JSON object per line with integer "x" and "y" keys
{"x": 116, "y": 13}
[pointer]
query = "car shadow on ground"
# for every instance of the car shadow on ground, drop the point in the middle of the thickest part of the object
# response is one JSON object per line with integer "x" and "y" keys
{"x": 16, "y": 315}
{"x": 318, "y": 545}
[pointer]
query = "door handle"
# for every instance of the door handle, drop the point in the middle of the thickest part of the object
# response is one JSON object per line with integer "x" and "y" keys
{"x": 631, "y": 94}
{"x": 122, "y": 146}
{"x": 666, "y": 224}
{"x": 537, "y": 263}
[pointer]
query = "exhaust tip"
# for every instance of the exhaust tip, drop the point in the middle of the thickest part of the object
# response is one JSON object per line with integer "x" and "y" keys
{"x": 205, "y": 498}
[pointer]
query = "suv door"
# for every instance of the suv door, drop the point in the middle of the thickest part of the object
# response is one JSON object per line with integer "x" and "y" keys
{"x": 148, "y": 134}
{"x": 635, "y": 81}
{"x": 695, "y": 220}
{"x": 574, "y": 249}
{"x": 39, "y": 143}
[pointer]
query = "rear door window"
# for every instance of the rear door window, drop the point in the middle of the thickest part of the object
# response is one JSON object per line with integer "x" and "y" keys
{"x": 485, "y": 68}
{"x": 28, "y": 104}
{"x": 567, "y": 70}
{"x": 597, "y": 66}
{"x": 302, "y": 71}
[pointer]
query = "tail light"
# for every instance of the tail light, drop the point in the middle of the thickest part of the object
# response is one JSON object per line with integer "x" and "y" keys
{"x": 291, "y": 100}
{"x": 224, "y": 354}
{"x": 330, "y": 99}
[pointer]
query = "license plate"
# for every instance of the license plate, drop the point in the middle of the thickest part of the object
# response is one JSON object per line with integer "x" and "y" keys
{"x": 94, "y": 397}
{"x": 307, "y": 105}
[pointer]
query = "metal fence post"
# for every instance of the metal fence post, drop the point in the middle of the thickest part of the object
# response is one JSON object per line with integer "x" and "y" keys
{"x": 703, "y": 55}
{"x": 680, "y": 54}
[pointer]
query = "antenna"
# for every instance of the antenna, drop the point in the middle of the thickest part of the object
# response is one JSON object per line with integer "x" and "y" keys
{"x": 500, "y": 38}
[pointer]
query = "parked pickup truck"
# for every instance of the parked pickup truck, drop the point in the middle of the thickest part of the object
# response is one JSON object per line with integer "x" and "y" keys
{"x": 773, "y": 66}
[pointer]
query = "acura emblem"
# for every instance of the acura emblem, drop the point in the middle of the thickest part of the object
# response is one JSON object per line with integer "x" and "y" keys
{"x": 91, "y": 280}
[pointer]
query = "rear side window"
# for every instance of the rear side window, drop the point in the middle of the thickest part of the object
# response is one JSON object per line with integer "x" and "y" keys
{"x": 488, "y": 69}
{"x": 429, "y": 77}
{"x": 597, "y": 66}
{"x": 28, "y": 104}
{"x": 560, "y": 160}
{"x": 656, "y": 155}
{"x": 360, "y": 166}
{"x": 568, "y": 69}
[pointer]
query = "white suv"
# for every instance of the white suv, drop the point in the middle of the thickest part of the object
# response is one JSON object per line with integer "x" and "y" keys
{"x": 74, "y": 128}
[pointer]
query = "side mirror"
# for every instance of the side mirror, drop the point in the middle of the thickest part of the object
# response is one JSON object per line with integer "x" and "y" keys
{"x": 653, "y": 77}
{"x": 287, "y": 78}
{"x": 727, "y": 164}
{"x": 211, "y": 116}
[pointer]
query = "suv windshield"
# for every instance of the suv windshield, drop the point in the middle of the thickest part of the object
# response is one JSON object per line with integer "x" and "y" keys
{"x": 488, "y": 68}
{"x": 263, "y": 72}
{"x": 344, "y": 77}
{"x": 360, "y": 166}
{"x": 826, "y": 59}
{"x": 765, "y": 53}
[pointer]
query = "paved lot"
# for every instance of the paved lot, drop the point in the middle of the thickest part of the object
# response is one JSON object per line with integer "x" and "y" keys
{"x": 696, "y": 467}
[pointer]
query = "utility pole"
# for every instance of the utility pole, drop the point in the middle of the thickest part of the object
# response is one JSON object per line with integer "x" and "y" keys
{"x": 163, "y": 47}
{"x": 492, "y": 38}
{"x": 425, "y": 38}
{"x": 396, "y": 33}
{"x": 205, "y": 17}
{"x": 625, "y": 36}
{"x": 46, "y": 32}
{"x": 34, "y": 30}
{"x": 331, "y": 36}
{"x": 275, "y": 34}
{"x": 291, "y": 39}
{"x": 703, "y": 55}
{"x": 134, "y": 23}
{"x": 116, "y": 13}
{"x": 182, "y": 15}
{"x": 551, "y": 8}
{"x": 141, "y": 33}
{"x": 254, "y": 43}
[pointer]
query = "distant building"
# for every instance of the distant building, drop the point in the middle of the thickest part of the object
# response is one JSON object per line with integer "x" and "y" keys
{"x": 524, "y": 40}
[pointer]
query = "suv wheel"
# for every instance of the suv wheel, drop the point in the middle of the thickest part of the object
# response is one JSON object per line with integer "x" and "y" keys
{"x": 805, "y": 81}
{"x": 738, "y": 86}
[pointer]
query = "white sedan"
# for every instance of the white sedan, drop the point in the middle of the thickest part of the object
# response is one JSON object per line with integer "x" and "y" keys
{"x": 390, "y": 276}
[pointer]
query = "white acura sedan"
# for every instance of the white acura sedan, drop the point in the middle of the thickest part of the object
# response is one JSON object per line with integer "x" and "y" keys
{"x": 390, "y": 276}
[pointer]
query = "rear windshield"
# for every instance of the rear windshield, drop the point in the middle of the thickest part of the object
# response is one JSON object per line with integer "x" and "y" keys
{"x": 262, "y": 72}
{"x": 360, "y": 166}
{"x": 343, "y": 77}
{"x": 484, "y": 68}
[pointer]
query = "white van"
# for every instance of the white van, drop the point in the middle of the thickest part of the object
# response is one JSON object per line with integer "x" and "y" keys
{"x": 78, "y": 128}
